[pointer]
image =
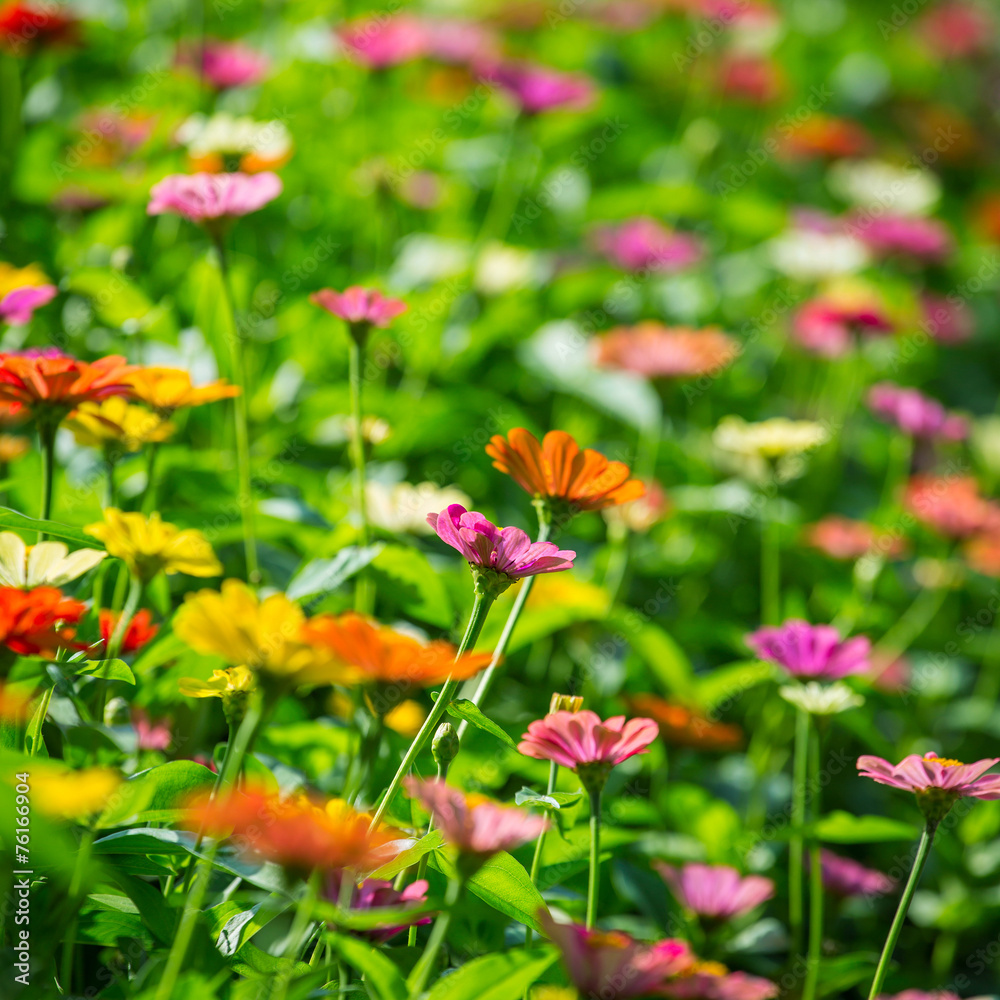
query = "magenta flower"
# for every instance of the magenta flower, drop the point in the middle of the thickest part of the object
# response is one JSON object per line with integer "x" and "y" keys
{"x": 920, "y": 995}
{"x": 710, "y": 983}
{"x": 926, "y": 239}
{"x": 375, "y": 894}
{"x": 811, "y": 651}
{"x": 18, "y": 306}
{"x": 380, "y": 42}
{"x": 359, "y": 306}
{"x": 507, "y": 551}
{"x": 847, "y": 877}
{"x": 716, "y": 892}
{"x": 914, "y": 413}
{"x": 201, "y": 197}
{"x": 828, "y": 328}
{"x": 232, "y": 64}
{"x": 946, "y": 318}
{"x": 456, "y": 41}
{"x": 602, "y": 963}
{"x": 539, "y": 88}
{"x": 478, "y": 827}
{"x": 643, "y": 244}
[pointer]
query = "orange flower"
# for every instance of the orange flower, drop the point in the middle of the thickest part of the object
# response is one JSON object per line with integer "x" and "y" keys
{"x": 169, "y": 389}
{"x": 684, "y": 727}
{"x": 296, "y": 832}
{"x": 556, "y": 469}
{"x": 36, "y": 622}
{"x": 381, "y": 654}
{"x": 138, "y": 633}
{"x": 13, "y": 447}
{"x": 659, "y": 351}
{"x": 60, "y": 382}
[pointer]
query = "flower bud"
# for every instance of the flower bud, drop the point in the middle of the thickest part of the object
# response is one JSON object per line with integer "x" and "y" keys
{"x": 565, "y": 702}
{"x": 444, "y": 746}
{"x": 116, "y": 712}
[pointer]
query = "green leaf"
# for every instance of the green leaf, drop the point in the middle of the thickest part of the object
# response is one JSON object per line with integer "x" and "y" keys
{"x": 378, "y": 917}
{"x": 381, "y": 975}
{"x": 731, "y": 680}
{"x": 462, "y": 708}
{"x": 841, "y": 827}
{"x": 665, "y": 659}
{"x": 15, "y": 521}
{"x": 404, "y": 578}
{"x": 109, "y": 670}
{"x": 320, "y": 576}
{"x": 233, "y": 926}
{"x": 155, "y": 795}
{"x": 503, "y": 976}
{"x": 34, "y": 744}
{"x": 148, "y": 903}
{"x": 148, "y": 840}
{"x": 429, "y": 842}
{"x": 529, "y": 797}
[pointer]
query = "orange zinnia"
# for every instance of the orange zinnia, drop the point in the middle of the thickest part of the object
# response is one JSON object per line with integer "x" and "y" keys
{"x": 684, "y": 727}
{"x": 556, "y": 469}
{"x": 169, "y": 389}
{"x": 60, "y": 382}
{"x": 36, "y": 622}
{"x": 381, "y": 654}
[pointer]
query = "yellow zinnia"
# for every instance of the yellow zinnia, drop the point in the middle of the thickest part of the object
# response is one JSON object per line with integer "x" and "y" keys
{"x": 147, "y": 545}
{"x": 169, "y": 389}
{"x": 114, "y": 421}
{"x": 71, "y": 795}
{"x": 233, "y": 686}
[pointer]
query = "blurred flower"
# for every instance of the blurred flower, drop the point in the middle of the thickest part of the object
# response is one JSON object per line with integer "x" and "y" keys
{"x": 452, "y": 40}
{"x": 376, "y": 894}
{"x": 908, "y": 189}
{"x": 359, "y": 307}
{"x": 109, "y": 135}
{"x": 957, "y": 29}
{"x": 712, "y": 981}
{"x": 811, "y": 651}
{"x": 339, "y": 429}
{"x": 769, "y": 439}
{"x": 148, "y": 545}
{"x": 828, "y": 324}
{"x": 37, "y": 622}
{"x": 116, "y": 423}
{"x": 477, "y": 826}
{"x": 13, "y": 447}
{"x": 920, "y": 995}
{"x": 683, "y": 726}
{"x": 170, "y": 389}
{"x": 557, "y": 470}
{"x": 55, "y": 384}
{"x": 600, "y": 960}
{"x": 403, "y": 507}
{"x": 658, "y": 351}
{"x": 914, "y": 413}
{"x": 825, "y": 136}
{"x": 926, "y": 239}
{"x": 379, "y": 41}
{"x": 643, "y": 244}
{"x": 807, "y": 252}
{"x": 640, "y": 515}
{"x": 151, "y": 735}
{"x": 821, "y": 699}
{"x": 846, "y": 877}
{"x": 501, "y": 268}
{"x": 946, "y": 318}
{"x": 538, "y": 88}
{"x": 224, "y": 142}
{"x": 951, "y": 505}
{"x": 841, "y": 538}
{"x": 201, "y": 197}
{"x": 71, "y": 795}
{"x": 982, "y": 553}
{"x": 752, "y": 78}
{"x": 406, "y": 718}
{"x": 937, "y": 782}
{"x": 232, "y": 686}
{"x": 18, "y": 306}
{"x": 14, "y": 705}
{"x": 139, "y": 632}
{"x": 225, "y": 64}
{"x": 46, "y": 564}
{"x": 26, "y": 26}
{"x": 716, "y": 892}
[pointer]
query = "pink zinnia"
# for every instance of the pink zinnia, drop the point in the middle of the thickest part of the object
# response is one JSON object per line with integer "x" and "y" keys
{"x": 914, "y": 413}
{"x": 946, "y": 318}
{"x": 926, "y": 239}
{"x": 477, "y": 826}
{"x": 602, "y": 961}
{"x": 151, "y": 735}
{"x": 457, "y": 41}
{"x": 508, "y": 551}
{"x": 539, "y": 88}
{"x": 380, "y": 42}
{"x": 199, "y": 197}
{"x": 828, "y": 328}
{"x": 357, "y": 305}
{"x": 376, "y": 894}
{"x": 842, "y": 538}
{"x": 717, "y": 892}
{"x": 934, "y": 777}
{"x": 809, "y": 651}
{"x": 18, "y": 306}
{"x": 708, "y": 983}
{"x": 232, "y": 64}
{"x": 643, "y": 244}
{"x": 847, "y": 877}
{"x": 920, "y": 995}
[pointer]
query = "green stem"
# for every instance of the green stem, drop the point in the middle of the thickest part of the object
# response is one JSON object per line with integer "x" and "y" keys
{"x": 148, "y": 504}
{"x": 536, "y": 861}
{"x": 618, "y": 553}
{"x": 127, "y": 614}
{"x": 110, "y": 491}
{"x": 421, "y": 971}
{"x": 296, "y": 937}
{"x": 442, "y": 774}
{"x": 480, "y": 609}
{"x": 815, "y": 878}
{"x": 595, "y": 857}
{"x": 897, "y": 469}
{"x": 923, "y": 851}
{"x": 364, "y": 593}
{"x": 795, "y": 849}
{"x": 507, "y": 190}
{"x": 73, "y": 901}
{"x": 47, "y": 439}
{"x": 770, "y": 571}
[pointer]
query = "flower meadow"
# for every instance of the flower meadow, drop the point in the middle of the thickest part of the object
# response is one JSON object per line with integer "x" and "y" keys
{"x": 499, "y": 501}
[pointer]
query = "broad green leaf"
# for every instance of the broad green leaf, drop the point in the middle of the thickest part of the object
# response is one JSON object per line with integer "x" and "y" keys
{"x": 320, "y": 576}
{"x": 429, "y": 842}
{"x": 503, "y": 976}
{"x": 109, "y": 670}
{"x": 233, "y": 925}
{"x": 383, "y": 978}
{"x": 34, "y": 744}
{"x": 665, "y": 659}
{"x": 148, "y": 840}
{"x": 375, "y": 918}
{"x": 557, "y": 800}
{"x": 730, "y": 681}
{"x": 148, "y": 903}
{"x": 462, "y": 708}
{"x": 841, "y": 827}
{"x": 116, "y": 298}
{"x": 15, "y": 521}
{"x": 404, "y": 577}
{"x": 155, "y": 795}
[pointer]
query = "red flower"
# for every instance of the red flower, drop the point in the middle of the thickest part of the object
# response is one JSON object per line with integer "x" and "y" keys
{"x": 137, "y": 634}
{"x": 59, "y": 381}
{"x": 36, "y": 622}
{"x": 24, "y": 24}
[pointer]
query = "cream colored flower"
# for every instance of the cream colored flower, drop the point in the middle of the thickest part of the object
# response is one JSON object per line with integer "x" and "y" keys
{"x": 821, "y": 699}
{"x": 404, "y": 507}
{"x": 771, "y": 439}
{"x": 47, "y": 564}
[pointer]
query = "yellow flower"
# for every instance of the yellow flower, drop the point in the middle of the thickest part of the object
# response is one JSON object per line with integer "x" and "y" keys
{"x": 70, "y": 795}
{"x": 773, "y": 438}
{"x": 147, "y": 545}
{"x": 235, "y": 680}
{"x": 169, "y": 389}
{"x": 406, "y": 718}
{"x": 47, "y": 564}
{"x": 114, "y": 421}
{"x": 12, "y": 278}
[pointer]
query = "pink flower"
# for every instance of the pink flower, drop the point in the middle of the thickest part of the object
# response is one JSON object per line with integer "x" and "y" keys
{"x": 958, "y": 30}
{"x": 951, "y": 505}
{"x": 232, "y": 64}
{"x": 643, "y": 244}
{"x": 151, "y": 735}
{"x": 382, "y": 42}
{"x": 932, "y": 775}
{"x": 709, "y": 983}
{"x": 357, "y": 305}
{"x": 603, "y": 963}
{"x": 539, "y": 88}
{"x": 919, "y": 995}
{"x": 508, "y": 551}
{"x": 213, "y": 196}
{"x": 926, "y": 239}
{"x": 717, "y": 892}
{"x": 457, "y": 41}
{"x": 18, "y": 306}
{"x": 846, "y": 877}
{"x": 376, "y": 893}
{"x": 581, "y": 740}
{"x": 477, "y": 826}
{"x": 841, "y": 538}
{"x": 948, "y": 320}
{"x": 811, "y": 651}
{"x": 828, "y": 327}
{"x": 914, "y": 413}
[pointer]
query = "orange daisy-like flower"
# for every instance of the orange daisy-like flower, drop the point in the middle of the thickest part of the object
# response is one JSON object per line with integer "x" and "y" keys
{"x": 138, "y": 632}
{"x": 37, "y": 622}
{"x": 296, "y": 833}
{"x": 60, "y": 383}
{"x": 381, "y": 654}
{"x": 169, "y": 389}
{"x": 556, "y": 469}
{"x": 659, "y": 351}
{"x": 684, "y": 727}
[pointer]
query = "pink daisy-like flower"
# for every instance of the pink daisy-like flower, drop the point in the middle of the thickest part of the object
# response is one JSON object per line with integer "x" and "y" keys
{"x": 151, "y": 735}
{"x": 359, "y": 306}
{"x": 811, "y": 651}
{"x": 380, "y": 42}
{"x": 914, "y": 413}
{"x": 951, "y": 505}
{"x": 200, "y": 197}
{"x": 842, "y": 538}
{"x": 847, "y": 877}
{"x": 539, "y": 88}
{"x": 828, "y": 328}
{"x": 717, "y": 892}
{"x": 913, "y": 236}
{"x": 376, "y": 894}
{"x": 920, "y": 995}
{"x": 602, "y": 961}
{"x": 476, "y": 825}
{"x": 657, "y": 351}
{"x": 946, "y": 318}
{"x": 18, "y": 306}
{"x": 507, "y": 551}
{"x": 643, "y": 244}
{"x": 232, "y": 64}
{"x": 710, "y": 982}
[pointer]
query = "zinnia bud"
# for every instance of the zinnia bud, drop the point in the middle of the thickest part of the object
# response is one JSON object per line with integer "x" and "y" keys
{"x": 565, "y": 702}
{"x": 444, "y": 746}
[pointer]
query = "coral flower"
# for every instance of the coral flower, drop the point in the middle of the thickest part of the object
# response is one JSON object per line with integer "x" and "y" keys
{"x": 377, "y": 654}
{"x": 116, "y": 425}
{"x": 643, "y": 244}
{"x": 18, "y": 306}
{"x": 846, "y": 877}
{"x": 37, "y": 622}
{"x": 539, "y": 88}
{"x": 231, "y": 64}
{"x": 476, "y": 825}
{"x": 380, "y": 42}
{"x": 506, "y": 552}
{"x": 711, "y": 981}
{"x": 148, "y": 545}
{"x": 828, "y": 325}
{"x": 913, "y": 236}
{"x": 825, "y": 136}
{"x": 951, "y": 505}
{"x": 841, "y": 538}
{"x": 716, "y": 892}
{"x": 814, "y": 652}
{"x": 29, "y": 25}
{"x": 170, "y": 389}
{"x": 601, "y": 961}
{"x": 658, "y": 351}
{"x": 139, "y": 632}
{"x": 914, "y": 413}
{"x": 640, "y": 515}
{"x": 47, "y": 564}
{"x": 376, "y": 894}
{"x": 982, "y": 553}
{"x": 359, "y": 307}
{"x": 56, "y": 383}
{"x": 205, "y": 197}
{"x": 683, "y": 727}
{"x": 555, "y": 469}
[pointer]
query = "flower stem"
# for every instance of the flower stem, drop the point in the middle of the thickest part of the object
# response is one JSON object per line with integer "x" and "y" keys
{"x": 770, "y": 571}
{"x": 595, "y": 857}
{"x": 296, "y": 938}
{"x": 536, "y": 861}
{"x": 923, "y": 851}
{"x": 47, "y": 439}
{"x": 127, "y": 614}
{"x": 364, "y": 593}
{"x": 73, "y": 902}
{"x": 110, "y": 492}
{"x": 480, "y": 609}
{"x": 795, "y": 851}
{"x": 418, "y": 977}
{"x": 815, "y": 878}
{"x": 148, "y": 504}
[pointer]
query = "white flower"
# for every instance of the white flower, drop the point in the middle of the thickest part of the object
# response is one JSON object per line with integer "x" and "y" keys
{"x": 772, "y": 438}
{"x": 821, "y": 699}
{"x": 404, "y": 507}
{"x": 47, "y": 564}
{"x": 225, "y": 133}
{"x": 501, "y": 268}
{"x": 877, "y": 184}
{"x": 808, "y": 254}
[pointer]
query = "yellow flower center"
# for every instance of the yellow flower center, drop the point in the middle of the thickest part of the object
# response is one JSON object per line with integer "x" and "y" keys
{"x": 945, "y": 761}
